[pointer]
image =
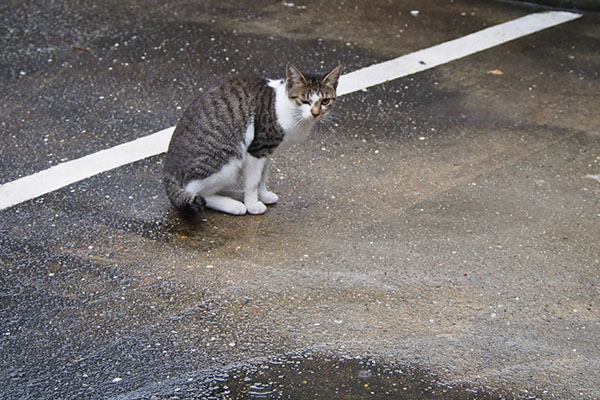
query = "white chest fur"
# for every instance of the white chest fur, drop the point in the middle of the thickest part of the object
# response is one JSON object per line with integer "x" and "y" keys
{"x": 295, "y": 121}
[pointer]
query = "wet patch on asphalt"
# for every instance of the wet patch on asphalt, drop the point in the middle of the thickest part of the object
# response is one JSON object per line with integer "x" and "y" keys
{"x": 315, "y": 376}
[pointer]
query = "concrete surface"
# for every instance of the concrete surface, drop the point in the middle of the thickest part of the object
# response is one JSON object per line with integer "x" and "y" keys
{"x": 446, "y": 221}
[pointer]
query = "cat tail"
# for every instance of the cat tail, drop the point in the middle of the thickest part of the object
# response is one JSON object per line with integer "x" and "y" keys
{"x": 188, "y": 204}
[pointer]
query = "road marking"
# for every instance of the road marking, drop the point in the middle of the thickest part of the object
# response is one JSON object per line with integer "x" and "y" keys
{"x": 69, "y": 172}
{"x": 61, "y": 175}
{"x": 594, "y": 177}
{"x": 449, "y": 51}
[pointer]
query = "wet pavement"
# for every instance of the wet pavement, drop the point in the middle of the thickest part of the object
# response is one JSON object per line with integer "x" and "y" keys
{"x": 444, "y": 225}
{"x": 304, "y": 376}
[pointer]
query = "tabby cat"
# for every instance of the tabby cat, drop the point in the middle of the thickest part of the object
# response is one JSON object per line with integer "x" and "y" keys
{"x": 226, "y": 136}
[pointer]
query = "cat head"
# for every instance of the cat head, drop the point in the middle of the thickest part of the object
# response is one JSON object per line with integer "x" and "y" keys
{"x": 313, "y": 95}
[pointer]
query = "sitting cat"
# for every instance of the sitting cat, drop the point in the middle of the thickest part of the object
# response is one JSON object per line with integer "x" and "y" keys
{"x": 226, "y": 136}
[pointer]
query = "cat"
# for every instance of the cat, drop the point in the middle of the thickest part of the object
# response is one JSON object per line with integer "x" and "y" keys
{"x": 226, "y": 136}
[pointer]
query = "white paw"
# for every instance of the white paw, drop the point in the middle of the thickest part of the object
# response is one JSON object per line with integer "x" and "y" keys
{"x": 237, "y": 209}
{"x": 268, "y": 197}
{"x": 256, "y": 208}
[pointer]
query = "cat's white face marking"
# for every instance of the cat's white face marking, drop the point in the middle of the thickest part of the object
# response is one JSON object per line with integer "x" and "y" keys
{"x": 305, "y": 111}
{"x": 314, "y": 98}
{"x": 315, "y": 109}
{"x": 309, "y": 109}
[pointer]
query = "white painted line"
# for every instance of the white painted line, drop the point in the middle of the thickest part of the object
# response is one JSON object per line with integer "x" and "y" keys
{"x": 594, "y": 177}
{"x": 61, "y": 175}
{"x": 66, "y": 173}
{"x": 450, "y": 51}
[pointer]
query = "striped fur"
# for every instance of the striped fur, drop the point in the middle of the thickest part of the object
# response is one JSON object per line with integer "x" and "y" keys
{"x": 233, "y": 128}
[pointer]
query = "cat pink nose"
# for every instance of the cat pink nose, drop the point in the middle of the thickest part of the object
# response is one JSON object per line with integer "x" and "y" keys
{"x": 315, "y": 112}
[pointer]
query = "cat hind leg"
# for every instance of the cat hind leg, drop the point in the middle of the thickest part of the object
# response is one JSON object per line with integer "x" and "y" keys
{"x": 225, "y": 204}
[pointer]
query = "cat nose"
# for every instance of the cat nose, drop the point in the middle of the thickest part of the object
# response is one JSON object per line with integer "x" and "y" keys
{"x": 315, "y": 111}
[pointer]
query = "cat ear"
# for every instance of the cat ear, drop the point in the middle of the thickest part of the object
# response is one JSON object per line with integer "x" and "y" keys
{"x": 293, "y": 76}
{"x": 331, "y": 79}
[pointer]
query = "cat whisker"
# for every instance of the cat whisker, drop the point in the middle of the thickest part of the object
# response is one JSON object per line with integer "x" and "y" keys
{"x": 298, "y": 122}
{"x": 332, "y": 114}
{"x": 330, "y": 119}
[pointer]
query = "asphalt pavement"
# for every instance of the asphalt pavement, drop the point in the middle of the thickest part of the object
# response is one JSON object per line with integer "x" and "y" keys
{"x": 443, "y": 226}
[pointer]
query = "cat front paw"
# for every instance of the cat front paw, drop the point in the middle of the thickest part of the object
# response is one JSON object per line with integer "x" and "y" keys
{"x": 256, "y": 208}
{"x": 268, "y": 197}
{"x": 237, "y": 209}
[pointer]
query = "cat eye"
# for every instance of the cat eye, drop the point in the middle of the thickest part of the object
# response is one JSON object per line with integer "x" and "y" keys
{"x": 300, "y": 100}
{"x": 325, "y": 101}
